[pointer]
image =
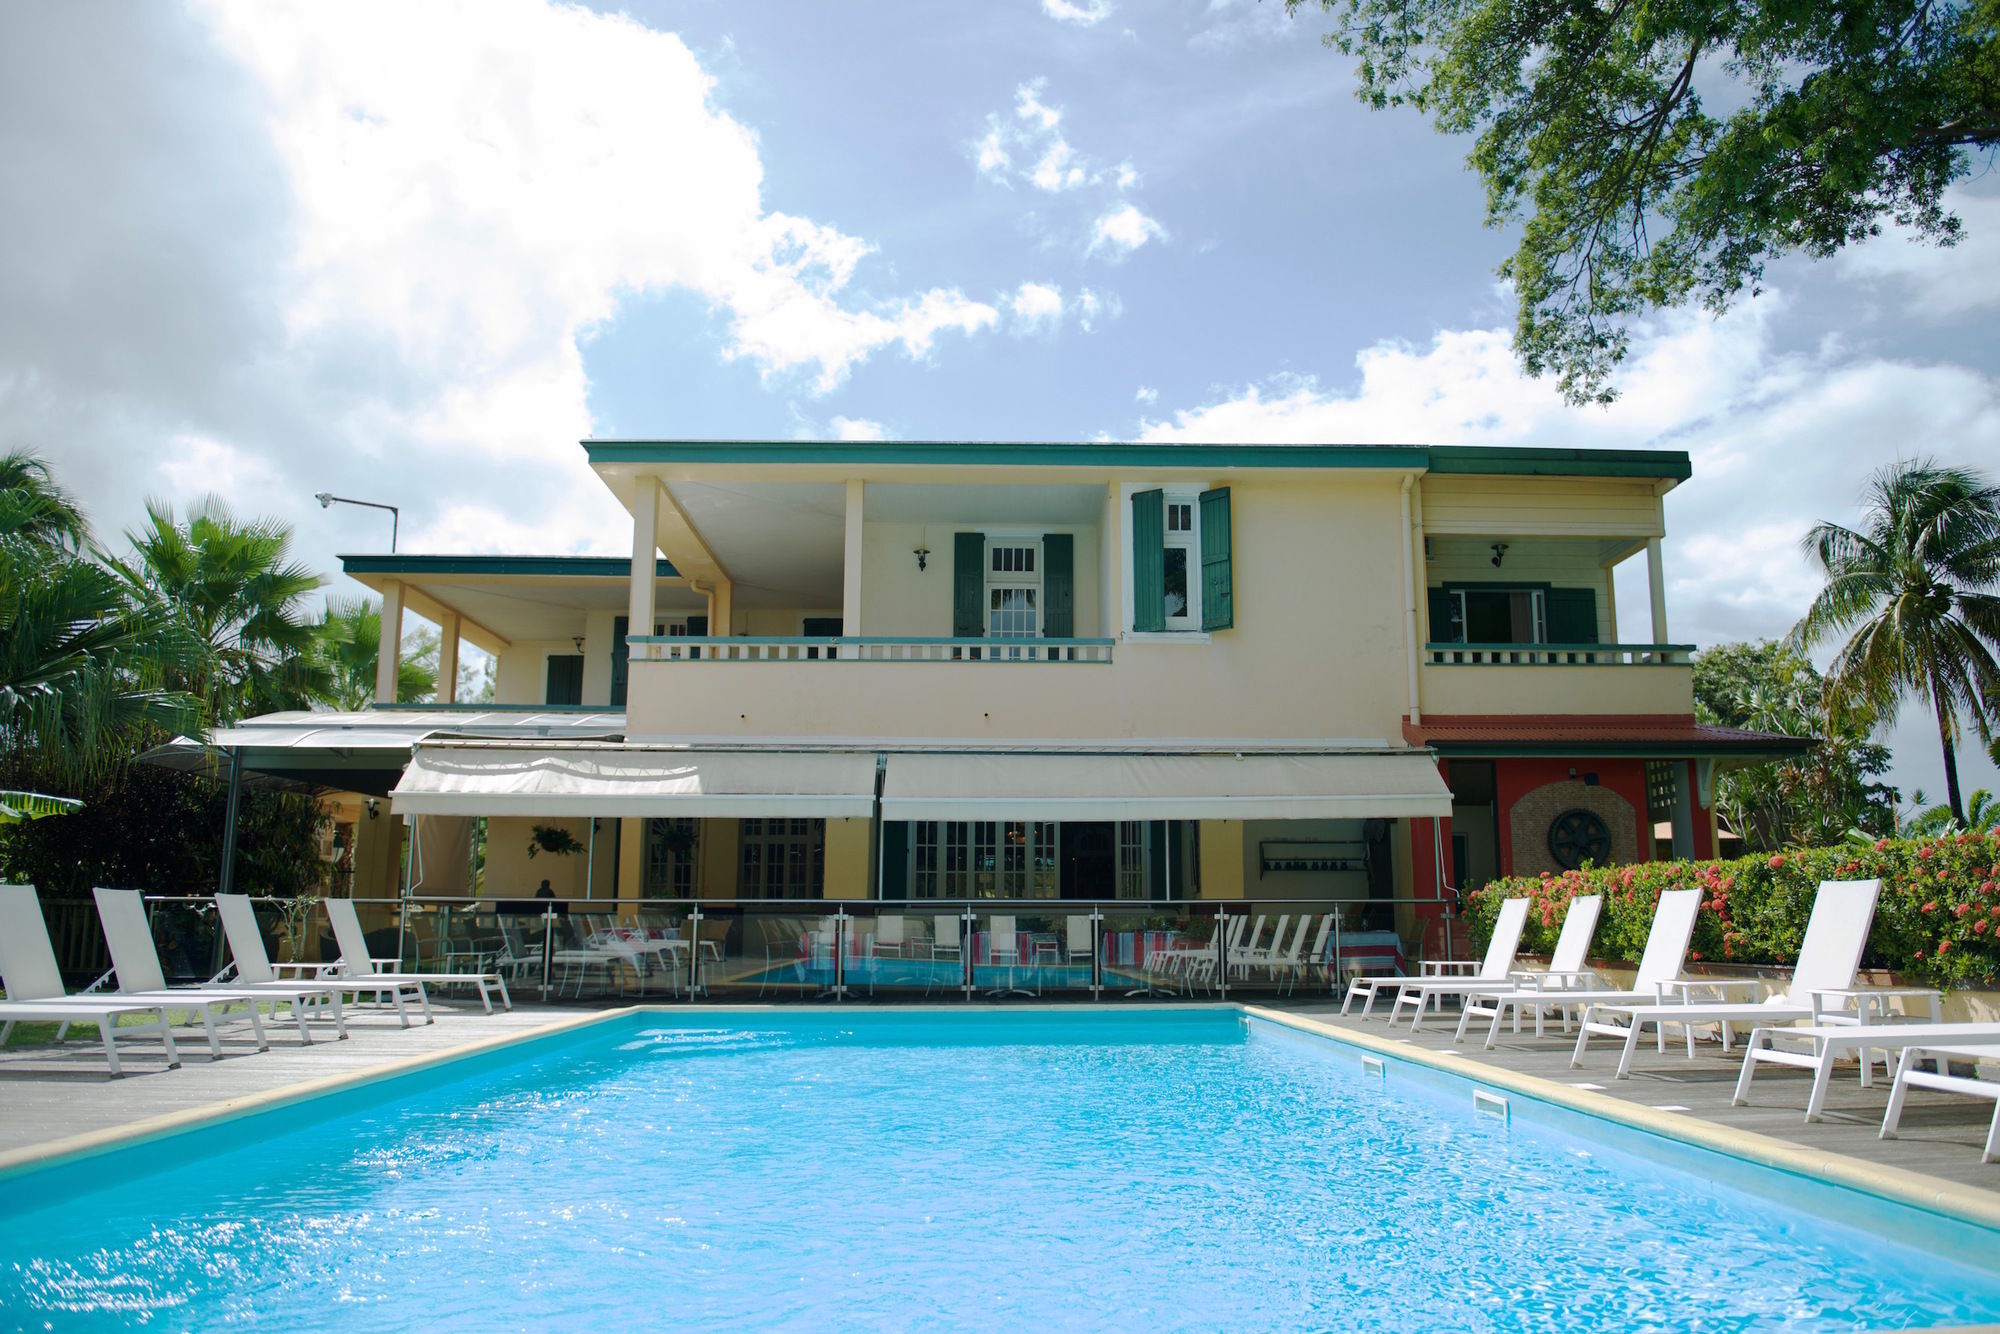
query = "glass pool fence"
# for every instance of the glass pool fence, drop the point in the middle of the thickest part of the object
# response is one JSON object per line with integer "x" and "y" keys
{"x": 718, "y": 950}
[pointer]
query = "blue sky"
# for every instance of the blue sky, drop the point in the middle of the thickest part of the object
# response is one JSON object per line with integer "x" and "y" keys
{"x": 415, "y": 252}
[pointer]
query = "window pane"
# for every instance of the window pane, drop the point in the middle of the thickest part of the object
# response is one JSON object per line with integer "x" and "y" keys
{"x": 1177, "y": 581}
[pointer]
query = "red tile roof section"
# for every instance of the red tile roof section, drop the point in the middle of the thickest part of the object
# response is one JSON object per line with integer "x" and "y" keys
{"x": 1671, "y": 732}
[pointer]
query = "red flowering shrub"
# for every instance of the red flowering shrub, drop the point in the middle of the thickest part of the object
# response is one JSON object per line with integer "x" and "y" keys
{"x": 1932, "y": 923}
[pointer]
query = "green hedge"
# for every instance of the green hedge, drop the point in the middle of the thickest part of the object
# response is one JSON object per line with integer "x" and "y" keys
{"x": 1939, "y": 918}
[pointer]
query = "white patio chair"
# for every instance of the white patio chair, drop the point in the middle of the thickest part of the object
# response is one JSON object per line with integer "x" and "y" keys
{"x": 1492, "y": 974}
{"x": 254, "y": 971}
{"x": 1836, "y": 934}
{"x": 1566, "y": 973}
{"x": 135, "y": 966}
{"x": 1003, "y": 942}
{"x": 888, "y": 937}
{"x": 35, "y": 993}
{"x": 1077, "y": 946}
{"x": 1908, "y": 1076}
{"x": 1659, "y": 964}
{"x": 359, "y": 973}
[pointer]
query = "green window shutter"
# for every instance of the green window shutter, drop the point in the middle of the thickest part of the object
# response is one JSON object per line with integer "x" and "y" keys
{"x": 621, "y": 659}
{"x": 1058, "y": 586}
{"x": 1218, "y": 578}
{"x": 565, "y": 683}
{"x": 1149, "y": 560}
{"x": 1572, "y": 615}
{"x": 968, "y": 586}
{"x": 1444, "y": 626}
{"x": 895, "y": 859}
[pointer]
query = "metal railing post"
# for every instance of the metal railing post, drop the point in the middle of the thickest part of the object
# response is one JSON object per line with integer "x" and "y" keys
{"x": 1096, "y": 951}
{"x": 840, "y": 955}
{"x": 965, "y": 971}
{"x": 548, "y": 946}
{"x": 694, "y": 953}
{"x": 1222, "y": 951}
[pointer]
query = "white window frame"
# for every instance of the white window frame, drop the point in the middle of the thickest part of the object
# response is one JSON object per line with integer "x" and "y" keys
{"x": 1538, "y": 608}
{"x": 1185, "y": 629}
{"x": 1010, "y": 579}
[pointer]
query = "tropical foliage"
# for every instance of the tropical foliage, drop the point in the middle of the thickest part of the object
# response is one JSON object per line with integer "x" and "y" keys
{"x": 349, "y": 640}
{"x": 1915, "y": 591}
{"x": 1816, "y": 798}
{"x": 1658, "y": 155}
{"x": 1938, "y": 921}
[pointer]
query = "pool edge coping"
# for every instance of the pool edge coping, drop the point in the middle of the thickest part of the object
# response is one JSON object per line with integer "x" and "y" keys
{"x": 90, "y": 1143}
{"x": 1900, "y": 1185}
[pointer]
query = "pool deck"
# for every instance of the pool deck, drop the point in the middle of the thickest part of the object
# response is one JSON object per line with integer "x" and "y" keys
{"x": 50, "y": 1096}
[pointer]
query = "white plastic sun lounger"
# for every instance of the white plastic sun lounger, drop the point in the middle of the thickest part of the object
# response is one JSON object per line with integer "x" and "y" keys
{"x": 254, "y": 972}
{"x": 356, "y": 966}
{"x": 135, "y": 963}
{"x": 1836, "y": 934}
{"x": 1568, "y": 990}
{"x": 1566, "y": 971}
{"x": 1421, "y": 992}
{"x": 29, "y": 971}
{"x": 1827, "y": 1043}
{"x": 1909, "y": 1077}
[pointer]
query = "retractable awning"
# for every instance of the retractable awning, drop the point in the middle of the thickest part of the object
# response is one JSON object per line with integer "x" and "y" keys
{"x": 1026, "y": 786}
{"x": 474, "y": 779}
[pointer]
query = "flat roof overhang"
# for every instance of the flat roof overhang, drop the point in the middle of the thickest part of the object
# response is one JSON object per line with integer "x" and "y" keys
{"x": 501, "y": 599}
{"x": 1599, "y": 736}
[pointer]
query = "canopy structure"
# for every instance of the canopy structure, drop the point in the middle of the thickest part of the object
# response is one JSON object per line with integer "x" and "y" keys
{"x": 502, "y": 780}
{"x": 1060, "y": 786}
{"x": 363, "y": 750}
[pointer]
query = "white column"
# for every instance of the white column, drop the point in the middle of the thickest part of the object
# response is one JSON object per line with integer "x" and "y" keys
{"x": 389, "y": 653}
{"x": 1412, "y": 647}
{"x": 850, "y": 569}
{"x": 721, "y": 608}
{"x": 645, "y": 546}
{"x": 1656, "y": 579}
{"x": 447, "y": 687}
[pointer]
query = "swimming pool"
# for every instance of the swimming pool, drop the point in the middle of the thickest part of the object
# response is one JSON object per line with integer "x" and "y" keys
{"x": 1165, "y": 1169}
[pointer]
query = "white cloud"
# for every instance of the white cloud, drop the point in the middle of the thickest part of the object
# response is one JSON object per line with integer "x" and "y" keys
{"x": 990, "y": 154}
{"x": 858, "y": 428}
{"x": 1123, "y": 230}
{"x": 1147, "y": 395}
{"x": 1028, "y": 106}
{"x": 1086, "y": 13}
{"x": 1941, "y": 281}
{"x": 1090, "y": 306}
{"x": 1036, "y": 305}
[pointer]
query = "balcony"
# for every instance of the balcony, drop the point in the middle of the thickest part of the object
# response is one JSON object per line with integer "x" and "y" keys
{"x": 1559, "y": 655}
{"x": 865, "y": 648}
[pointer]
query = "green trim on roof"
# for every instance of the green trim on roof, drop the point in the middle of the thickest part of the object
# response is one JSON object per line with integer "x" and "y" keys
{"x": 1467, "y": 459}
{"x": 1484, "y": 462}
{"x": 1019, "y": 454}
{"x": 613, "y": 567}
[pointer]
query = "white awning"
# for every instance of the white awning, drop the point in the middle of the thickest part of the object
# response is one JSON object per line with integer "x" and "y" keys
{"x": 471, "y": 779}
{"x": 397, "y": 729}
{"x": 1022, "y": 786}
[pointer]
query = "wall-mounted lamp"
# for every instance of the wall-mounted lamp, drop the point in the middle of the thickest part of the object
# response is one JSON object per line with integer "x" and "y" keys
{"x": 374, "y": 808}
{"x": 578, "y": 639}
{"x": 923, "y": 555}
{"x": 1499, "y": 551}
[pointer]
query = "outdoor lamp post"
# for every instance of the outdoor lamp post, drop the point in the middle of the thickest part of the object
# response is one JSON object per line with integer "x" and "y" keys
{"x": 327, "y": 500}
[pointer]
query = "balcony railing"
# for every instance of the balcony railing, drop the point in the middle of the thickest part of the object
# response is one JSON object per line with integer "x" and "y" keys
{"x": 863, "y": 648}
{"x": 1559, "y": 655}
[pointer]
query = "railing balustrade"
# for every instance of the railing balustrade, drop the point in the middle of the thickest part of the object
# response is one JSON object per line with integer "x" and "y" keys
{"x": 1558, "y": 655}
{"x": 862, "y": 648}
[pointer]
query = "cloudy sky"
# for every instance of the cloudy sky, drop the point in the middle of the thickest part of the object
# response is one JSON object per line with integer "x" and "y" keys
{"x": 416, "y": 253}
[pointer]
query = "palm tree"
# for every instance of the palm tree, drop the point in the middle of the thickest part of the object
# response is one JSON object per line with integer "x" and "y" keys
{"x": 35, "y": 510}
{"x": 230, "y": 587}
{"x": 1914, "y": 591}
{"x": 350, "y": 640}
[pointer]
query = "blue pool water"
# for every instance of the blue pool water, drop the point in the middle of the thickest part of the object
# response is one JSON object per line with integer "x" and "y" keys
{"x": 1161, "y": 1170}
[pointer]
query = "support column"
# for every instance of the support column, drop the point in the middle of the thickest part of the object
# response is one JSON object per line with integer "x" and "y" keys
{"x": 1413, "y": 648}
{"x": 226, "y": 882}
{"x": 1656, "y": 580}
{"x": 1683, "y": 819}
{"x": 448, "y": 632}
{"x": 389, "y": 652}
{"x": 721, "y": 608}
{"x": 850, "y": 569}
{"x": 645, "y": 546}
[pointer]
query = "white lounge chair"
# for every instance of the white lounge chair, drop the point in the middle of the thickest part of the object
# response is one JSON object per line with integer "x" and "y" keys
{"x": 1003, "y": 941}
{"x": 135, "y": 963}
{"x": 1908, "y": 1076}
{"x": 1836, "y": 934}
{"x": 1826, "y": 1044}
{"x": 35, "y": 993}
{"x": 1420, "y": 991}
{"x": 1567, "y": 989}
{"x": 1285, "y": 959}
{"x": 888, "y": 937}
{"x": 255, "y": 972}
{"x": 1566, "y": 972}
{"x": 1076, "y": 940}
{"x": 360, "y": 973}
